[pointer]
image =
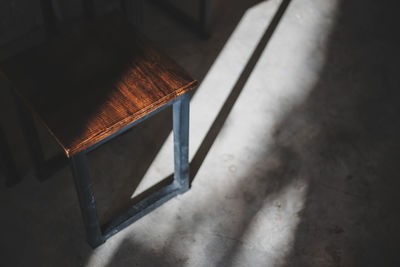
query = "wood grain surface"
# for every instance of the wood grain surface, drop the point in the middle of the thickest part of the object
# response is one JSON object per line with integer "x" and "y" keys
{"x": 89, "y": 83}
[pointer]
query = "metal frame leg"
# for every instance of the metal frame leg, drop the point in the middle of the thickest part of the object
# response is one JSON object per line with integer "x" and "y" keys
{"x": 86, "y": 199}
{"x": 181, "y": 141}
{"x": 97, "y": 234}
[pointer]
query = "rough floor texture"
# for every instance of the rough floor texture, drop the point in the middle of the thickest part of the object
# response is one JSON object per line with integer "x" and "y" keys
{"x": 294, "y": 149}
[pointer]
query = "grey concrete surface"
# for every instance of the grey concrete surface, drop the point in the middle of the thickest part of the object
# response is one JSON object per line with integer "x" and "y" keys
{"x": 294, "y": 150}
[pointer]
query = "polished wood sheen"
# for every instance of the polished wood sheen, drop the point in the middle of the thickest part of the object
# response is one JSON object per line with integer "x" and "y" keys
{"x": 96, "y": 79}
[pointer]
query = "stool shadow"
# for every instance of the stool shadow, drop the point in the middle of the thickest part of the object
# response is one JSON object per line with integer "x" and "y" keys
{"x": 218, "y": 123}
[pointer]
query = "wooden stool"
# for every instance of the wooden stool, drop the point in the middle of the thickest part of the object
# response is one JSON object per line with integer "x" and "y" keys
{"x": 90, "y": 85}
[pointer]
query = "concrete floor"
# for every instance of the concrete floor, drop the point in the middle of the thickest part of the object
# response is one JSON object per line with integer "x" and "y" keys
{"x": 295, "y": 158}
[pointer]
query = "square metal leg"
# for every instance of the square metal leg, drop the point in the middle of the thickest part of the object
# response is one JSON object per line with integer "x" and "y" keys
{"x": 181, "y": 141}
{"x": 86, "y": 198}
{"x": 97, "y": 234}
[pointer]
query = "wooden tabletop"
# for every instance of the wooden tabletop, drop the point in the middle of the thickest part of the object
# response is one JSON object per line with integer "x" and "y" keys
{"x": 94, "y": 80}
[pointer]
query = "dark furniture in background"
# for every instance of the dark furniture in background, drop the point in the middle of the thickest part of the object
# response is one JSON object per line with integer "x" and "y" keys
{"x": 87, "y": 86}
